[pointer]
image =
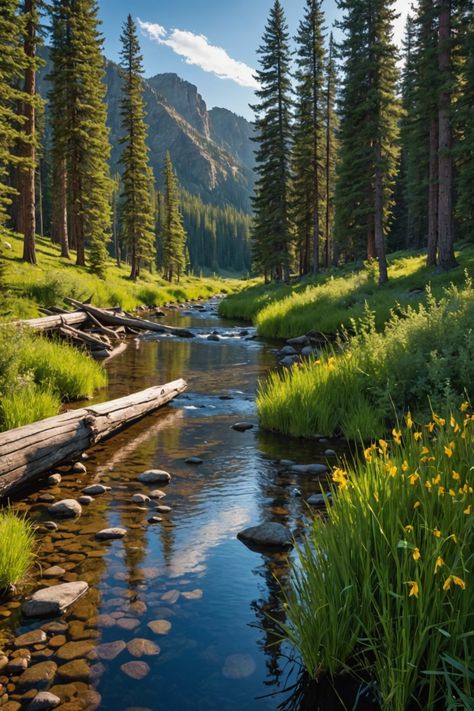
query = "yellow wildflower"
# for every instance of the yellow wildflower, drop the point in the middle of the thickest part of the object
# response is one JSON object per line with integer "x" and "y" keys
{"x": 454, "y": 579}
{"x": 452, "y": 493}
{"x": 414, "y": 589}
{"x": 425, "y": 450}
{"x": 409, "y": 528}
{"x": 464, "y": 406}
{"x": 417, "y": 504}
{"x": 405, "y": 466}
{"x": 468, "y": 510}
{"x": 436, "y": 479}
{"x": 391, "y": 469}
{"x": 441, "y": 491}
{"x": 383, "y": 446}
{"x": 456, "y": 475}
{"x": 339, "y": 476}
{"x": 397, "y": 436}
{"x": 413, "y": 478}
{"x": 368, "y": 454}
{"x": 436, "y": 532}
{"x": 430, "y": 426}
{"x": 418, "y": 436}
{"x": 428, "y": 485}
{"x": 439, "y": 564}
{"x": 449, "y": 450}
{"x": 409, "y": 420}
{"x": 416, "y": 554}
{"x": 439, "y": 420}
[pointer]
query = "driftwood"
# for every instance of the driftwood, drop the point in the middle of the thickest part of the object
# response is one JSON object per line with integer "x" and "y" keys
{"x": 51, "y": 323}
{"x": 28, "y": 452}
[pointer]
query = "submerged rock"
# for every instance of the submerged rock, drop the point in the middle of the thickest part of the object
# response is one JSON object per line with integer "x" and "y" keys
{"x": 298, "y": 341}
{"x": 309, "y": 469}
{"x": 287, "y": 351}
{"x": 95, "y": 489}
{"x": 79, "y": 468}
{"x": 30, "y": 638}
{"x": 85, "y": 500}
{"x": 39, "y": 676}
{"x": 242, "y": 426}
{"x": 67, "y": 508}
{"x": 140, "y": 499}
{"x": 142, "y": 648}
{"x": 54, "y": 479}
{"x": 43, "y": 701}
{"x": 318, "y": 499}
{"x": 136, "y": 670}
{"x": 55, "y": 600}
{"x": 157, "y": 494}
{"x": 238, "y": 666}
{"x": 110, "y": 650}
{"x": 154, "y": 476}
{"x": 267, "y": 535}
{"x": 110, "y": 534}
{"x": 54, "y": 572}
{"x": 194, "y": 460}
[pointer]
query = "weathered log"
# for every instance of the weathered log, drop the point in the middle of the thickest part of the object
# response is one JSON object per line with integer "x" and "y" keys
{"x": 28, "y": 452}
{"x": 50, "y": 323}
{"x": 103, "y": 329}
{"x": 134, "y": 323}
{"x": 85, "y": 337}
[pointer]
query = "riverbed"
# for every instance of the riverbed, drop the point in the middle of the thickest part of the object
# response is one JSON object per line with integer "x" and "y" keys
{"x": 216, "y": 646}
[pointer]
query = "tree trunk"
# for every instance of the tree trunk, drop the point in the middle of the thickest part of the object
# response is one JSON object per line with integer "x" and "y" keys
{"x": 77, "y": 217}
{"x": 378, "y": 219}
{"x": 446, "y": 258}
{"x": 433, "y": 195}
{"x": 371, "y": 251}
{"x": 62, "y": 212}
{"x": 27, "y": 198}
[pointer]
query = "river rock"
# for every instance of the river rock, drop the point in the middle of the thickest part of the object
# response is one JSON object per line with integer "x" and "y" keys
{"x": 77, "y": 670}
{"x": 242, "y": 426}
{"x": 55, "y": 600}
{"x": 213, "y": 337}
{"x": 75, "y": 650}
{"x": 330, "y": 453}
{"x": 110, "y": 534}
{"x": 51, "y": 525}
{"x": 30, "y": 638}
{"x": 110, "y": 650}
{"x": 46, "y": 498}
{"x": 154, "y": 476}
{"x": 85, "y": 500}
{"x": 160, "y": 626}
{"x": 43, "y": 701}
{"x": 288, "y": 361}
{"x": 269, "y": 534}
{"x": 238, "y": 666}
{"x": 67, "y": 508}
{"x": 161, "y": 508}
{"x": 157, "y": 494}
{"x": 309, "y": 469}
{"x": 155, "y": 519}
{"x": 39, "y": 676}
{"x": 193, "y": 594}
{"x": 140, "y": 499}
{"x": 318, "y": 499}
{"x": 128, "y": 623}
{"x": 54, "y": 572}
{"x": 298, "y": 341}
{"x": 296, "y": 492}
{"x": 287, "y": 351}
{"x": 18, "y": 665}
{"x": 79, "y": 468}
{"x": 308, "y": 351}
{"x": 136, "y": 670}
{"x": 194, "y": 460}
{"x": 286, "y": 462}
{"x": 95, "y": 489}
{"x": 142, "y": 648}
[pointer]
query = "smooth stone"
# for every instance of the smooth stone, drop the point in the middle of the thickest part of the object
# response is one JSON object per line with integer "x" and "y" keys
{"x": 17, "y": 666}
{"x": 193, "y": 594}
{"x": 171, "y": 596}
{"x": 287, "y": 351}
{"x": 154, "y": 476}
{"x": 157, "y": 494}
{"x": 46, "y": 498}
{"x": 136, "y": 670}
{"x": 30, "y": 638}
{"x": 43, "y": 701}
{"x": 85, "y": 500}
{"x": 110, "y": 650}
{"x": 140, "y": 499}
{"x": 57, "y": 641}
{"x": 76, "y": 670}
{"x": 95, "y": 490}
{"x": 79, "y": 468}
{"x": 330, "y": 453}
{"x": 288, "y": 361}
{"x": 55, "y": 627}
{"x": 296, "y": 492}
{"x": 309, "y": 469}
{"x": 54, "y": 572}
{"x": 213, "y": 337}
{"x": 75, "y": 650}
{"x": 155, "y": 519}
{"x": 286, "y": 462}
{"x": 269, "y": 534}
{"x": 160, "y": 626}
{"x": 318, "y": 499}
{"x": 51, "y": 525}
{"x": 298, "y": 341}
{"x": 163, "y": 509}
{"x": 54, "y": 479}
{"x": 142, "y": 648}
{"x": 308, "y": 351}
{"x": 127, "y": 623}
{"x": 110, "y": 534}
{"x": 67, "y": 508}
{"x": 193, "y": 460}
{"x": 242, "y": 426}
{"x": 55, "y": 600}
{"x": 39, "y": 676}
{"x": 238, "y": 666}
{"x": 3, "y": 662}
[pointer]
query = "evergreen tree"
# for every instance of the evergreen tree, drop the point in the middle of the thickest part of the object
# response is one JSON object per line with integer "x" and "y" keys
{"x": 369, "y": 128}
{"x": 309, "y": 151}
{"x": 465, "y": 126}
{"x": 272, "y": 229}
{"x": 173, "y": 235}
{"x": 331, "y": 122}
{"x": 137, "y": 214}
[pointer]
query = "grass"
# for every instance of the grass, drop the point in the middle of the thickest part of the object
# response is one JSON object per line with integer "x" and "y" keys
{"x": 383, "y": 588}
{"x": 424, "y": 354}
{"x": 335, "y": 298}
{"x": 16, "y": 548}
{"x": 37, "y": 374}
{"x": 54, "y": 278}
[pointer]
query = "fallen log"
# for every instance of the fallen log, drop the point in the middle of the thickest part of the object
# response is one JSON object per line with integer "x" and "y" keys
{"x": 139, "y": 324}
{"x": 28, "y": 452}
{"x": 50, "y": 323}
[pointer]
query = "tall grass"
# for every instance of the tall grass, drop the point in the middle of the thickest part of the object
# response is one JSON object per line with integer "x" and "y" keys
{"x": 384, "y": 587}
{"x": 16, "y": 548}
{"x": 36, "y": 375}
{"x": 423, "y": 354}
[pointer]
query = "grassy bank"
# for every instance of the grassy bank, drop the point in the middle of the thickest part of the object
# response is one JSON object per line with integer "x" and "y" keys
{"x": 16, "y": 549}
{"x": 424, "y": 355}
{"x": 384, "y": 589}
{"x": 54, "y": 278}
{"x": 36, "y": 375}
{"x": 335, "y": 298}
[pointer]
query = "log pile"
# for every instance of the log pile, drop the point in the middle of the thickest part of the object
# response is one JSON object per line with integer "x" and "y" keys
{"x": 101, "y": 331}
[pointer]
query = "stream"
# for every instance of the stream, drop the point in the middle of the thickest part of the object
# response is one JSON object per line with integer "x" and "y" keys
{"x": 214, "y": 647}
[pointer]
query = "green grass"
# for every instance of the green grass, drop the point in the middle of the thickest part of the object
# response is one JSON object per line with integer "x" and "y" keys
{"x": 55, "y": 278}
{"x": 37, "y": 374}
{"x": 335, "y": 298}
{"x": 383, "y": 588}
{"x": 424, "y": 354}
{"x": 16, "y": 548}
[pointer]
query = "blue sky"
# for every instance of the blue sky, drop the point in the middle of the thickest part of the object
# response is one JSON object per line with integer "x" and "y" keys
{"x": 221, "y": 64}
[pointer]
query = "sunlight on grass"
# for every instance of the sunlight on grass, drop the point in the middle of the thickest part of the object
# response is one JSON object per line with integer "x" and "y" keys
{"x": 16, "y": 548}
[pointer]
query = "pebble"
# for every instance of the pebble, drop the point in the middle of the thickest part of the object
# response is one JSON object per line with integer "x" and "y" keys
{"x": 95, "y": 490}
{"x": 330, "y": 453}
{"x": 157, "y": 494}
{"x": 77, "y": 670}
{"x": 46, "y": 498}
{"x": 51, "y": 525}
{"x": 142, "y": 648}
{"x": 67, "y": 508}
{"x": 193, "y": 460}
{"x": 79, "y": 468}
{"x": 140, "y": 499}
{"x": 238, "y": 666}
{"x": 154, "y": 476}
{"x": 242, "y": 426}
{"x": 193, "y": 594}
{"x": 43, "y": 701}
{"x": 128, "y": 623}
{"x": 171, "y": 596}
{"x": 54, "y": 572}
{"x": 110, "y": 650}
{"x": 163, "y": 509}
{"x": 160, "y": 626}
{"x": 54, "y": 479}
{"x": 30, "y": 638}
{"x": 136, "y": 670}
{"x": 110, "y": 534}
{"x": 155, "y": 519}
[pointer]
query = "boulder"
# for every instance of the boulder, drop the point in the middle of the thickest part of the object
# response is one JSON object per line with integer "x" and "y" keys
{"x": 267, "y": 535}
{"x": 242, "y": 426}
{"x": 55, "y": 600}
{"x": 154, "y": 476}
{"x": 39, "y": 676}
{"x": 43, "y": 701}
{"x": 287, "y": 351}
{"x": 66, "y": 508}
{"x": 288, "y": 361}
{"x": 298, "y": 341}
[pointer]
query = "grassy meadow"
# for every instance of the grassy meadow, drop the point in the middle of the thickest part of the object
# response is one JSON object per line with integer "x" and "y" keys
{"x": 16, "y": 548}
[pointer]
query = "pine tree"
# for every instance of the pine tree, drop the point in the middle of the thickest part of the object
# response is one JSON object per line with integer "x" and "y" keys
{"x": 137, "y": 214}
{"x": 465, "y": 126}
{"x": 369, "y": 128}
{"x": 309, "y": 151}
{"x": 272, "y": 229}
{"x": 331, "y": 122}
{"x": 173, "y": 235}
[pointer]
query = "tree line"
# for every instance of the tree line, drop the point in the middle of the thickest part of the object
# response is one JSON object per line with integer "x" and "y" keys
{"x": 72, "y": 193}
{"x": 354, "y": 155}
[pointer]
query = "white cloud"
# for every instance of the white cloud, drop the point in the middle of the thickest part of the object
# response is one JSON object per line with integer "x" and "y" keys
{"x": 196, "y": 50}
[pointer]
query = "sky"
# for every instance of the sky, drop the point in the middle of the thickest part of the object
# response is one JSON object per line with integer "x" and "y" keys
{"x": 211, "y": 43}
